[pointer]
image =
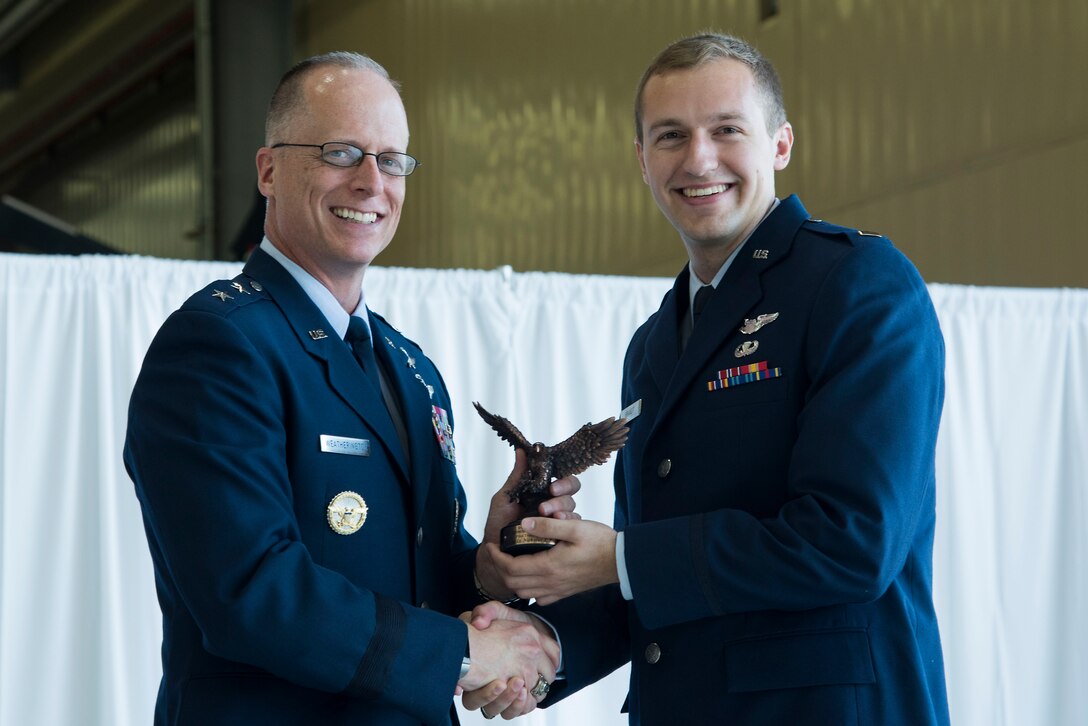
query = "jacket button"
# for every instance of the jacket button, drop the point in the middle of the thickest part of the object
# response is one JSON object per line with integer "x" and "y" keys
{"x": 419, "y": 537}
{"x": 653, "y": 653}
{"x": 664, "y": 468}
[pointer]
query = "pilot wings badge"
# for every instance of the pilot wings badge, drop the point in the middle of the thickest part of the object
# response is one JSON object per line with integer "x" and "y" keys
{"x": 751, "y": 326}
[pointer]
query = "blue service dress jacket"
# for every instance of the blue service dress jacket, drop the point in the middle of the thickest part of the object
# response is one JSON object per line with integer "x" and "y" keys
{"x": 269, "y": 615}
{"x": 777, "y": 496}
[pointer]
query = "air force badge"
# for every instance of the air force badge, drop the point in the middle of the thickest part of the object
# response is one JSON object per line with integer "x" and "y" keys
{"x": 751, "y": 326}
{"x": 746, "y": 348}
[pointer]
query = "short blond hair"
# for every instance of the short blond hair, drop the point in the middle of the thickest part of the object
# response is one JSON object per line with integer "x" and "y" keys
{"x": 695, "y": 50}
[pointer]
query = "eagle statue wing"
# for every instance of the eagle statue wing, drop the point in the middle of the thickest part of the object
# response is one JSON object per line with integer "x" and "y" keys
{"x": 592, "y": 444}
{"x": 507, "y": 431}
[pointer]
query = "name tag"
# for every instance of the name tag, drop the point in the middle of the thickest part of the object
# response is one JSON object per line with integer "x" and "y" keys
{"x": 631, "y": 412}
{"x": 345, "y": 445}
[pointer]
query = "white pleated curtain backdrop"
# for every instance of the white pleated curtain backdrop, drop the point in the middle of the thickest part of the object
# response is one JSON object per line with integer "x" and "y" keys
{"x": 79, "y": 622}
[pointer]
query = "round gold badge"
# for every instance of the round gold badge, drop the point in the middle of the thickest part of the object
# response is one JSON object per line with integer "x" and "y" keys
{"x": 346, "y": 513}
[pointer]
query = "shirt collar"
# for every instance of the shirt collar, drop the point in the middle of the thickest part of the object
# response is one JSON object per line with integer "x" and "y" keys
{"x": 694, "y": 283}
{"x": 320, "y": 295}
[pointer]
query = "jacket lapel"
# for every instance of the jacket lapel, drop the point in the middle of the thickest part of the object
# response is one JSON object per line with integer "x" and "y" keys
{"x": 737, "y": 294}
{"x": 663, "y": 339}
{"x": 318, "y": 338}
{"x": 402, "y": 369}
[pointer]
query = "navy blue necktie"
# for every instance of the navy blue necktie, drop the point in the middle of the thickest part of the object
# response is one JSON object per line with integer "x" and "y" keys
{"x": 358, "y": 337}
{"x": 362, "y": 345}
{"x": 687, "y": 325}
{"x": 702, "y": 295}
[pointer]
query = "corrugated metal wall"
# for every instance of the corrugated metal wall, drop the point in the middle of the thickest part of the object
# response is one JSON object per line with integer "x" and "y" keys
{"x": 958, "y": 127}
{"x": 521, "y": 113}
{"x": 100, "y": 125}
{"x": 138, "y": 187}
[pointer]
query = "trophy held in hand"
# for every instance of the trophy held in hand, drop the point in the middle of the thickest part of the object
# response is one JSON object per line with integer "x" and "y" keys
{"x": 592, "y": 444}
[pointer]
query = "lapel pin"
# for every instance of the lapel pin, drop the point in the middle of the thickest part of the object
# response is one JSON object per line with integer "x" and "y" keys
{"x": 751, "y": 326}
{"x": 761, "y": 254}
{"x": 318, "y": 334}
{"x": 222, "y": 295}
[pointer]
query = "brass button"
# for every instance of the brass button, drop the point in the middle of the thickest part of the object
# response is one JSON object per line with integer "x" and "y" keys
{"x": 664, "y": 468}
{"x": 653, "y": 653}
{"x": 419, "y": 537}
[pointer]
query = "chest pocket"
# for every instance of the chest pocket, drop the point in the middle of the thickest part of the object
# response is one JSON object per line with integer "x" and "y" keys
{"x": 752, "y": 393}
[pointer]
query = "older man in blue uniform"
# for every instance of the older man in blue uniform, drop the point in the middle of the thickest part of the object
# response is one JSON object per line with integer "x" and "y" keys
{"x": 771, "y": 560}
{"x": 299, "y": 493}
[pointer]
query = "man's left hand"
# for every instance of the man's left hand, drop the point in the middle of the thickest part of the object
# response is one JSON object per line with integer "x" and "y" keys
{"x": 503, "y": 512}
{"x": 583, "y": 558}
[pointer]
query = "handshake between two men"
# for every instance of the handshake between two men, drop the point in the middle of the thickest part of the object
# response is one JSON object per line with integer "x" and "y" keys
{"x": 514, "y": 655}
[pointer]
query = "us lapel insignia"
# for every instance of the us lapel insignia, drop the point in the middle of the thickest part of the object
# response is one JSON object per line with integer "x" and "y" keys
{"x": 761, "y": 254}
{"x": 751, "y": 326}
{"x": 346, "y": 513}
{"x": 746, "y": 348}
{"x": 318, "y": 334}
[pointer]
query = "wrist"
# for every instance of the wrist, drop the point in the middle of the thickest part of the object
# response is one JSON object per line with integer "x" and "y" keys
{"x": 486, "y": 596}
{"x": 466, "y": 662}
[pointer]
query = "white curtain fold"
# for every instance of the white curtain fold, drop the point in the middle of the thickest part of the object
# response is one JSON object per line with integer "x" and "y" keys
{"x": 1011, "y": 556}
{"x": 79, "y": 623}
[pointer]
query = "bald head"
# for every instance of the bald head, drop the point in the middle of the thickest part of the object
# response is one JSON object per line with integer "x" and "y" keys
{"x": 290, "y": 97}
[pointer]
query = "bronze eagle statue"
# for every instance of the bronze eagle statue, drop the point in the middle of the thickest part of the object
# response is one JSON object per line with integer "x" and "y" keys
{"x": 592, "y": 444}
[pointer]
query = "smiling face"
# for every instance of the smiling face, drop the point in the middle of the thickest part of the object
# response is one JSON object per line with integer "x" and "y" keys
{"x": 707, "y": 155}
{"x": 334, "y": 221}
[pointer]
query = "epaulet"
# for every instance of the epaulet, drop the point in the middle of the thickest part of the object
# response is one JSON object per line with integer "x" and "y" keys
{"x": 224, "y": 295}
{"x": 821, "y": 227}
{"x": 397, "y": 331}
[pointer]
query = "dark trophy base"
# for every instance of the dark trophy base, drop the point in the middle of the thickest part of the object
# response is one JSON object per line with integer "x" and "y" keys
{"x": 513, "y": 540}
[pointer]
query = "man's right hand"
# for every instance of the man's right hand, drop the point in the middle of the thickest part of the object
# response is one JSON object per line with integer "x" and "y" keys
{"x": 508, "y": 658}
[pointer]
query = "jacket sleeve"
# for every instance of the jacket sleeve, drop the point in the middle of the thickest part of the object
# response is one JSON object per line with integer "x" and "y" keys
{"x": 860, "y": 472}
{"x": 592, "y": 626}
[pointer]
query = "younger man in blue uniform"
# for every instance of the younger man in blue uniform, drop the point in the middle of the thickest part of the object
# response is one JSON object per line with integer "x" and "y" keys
{"x": 771, "y": 559}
